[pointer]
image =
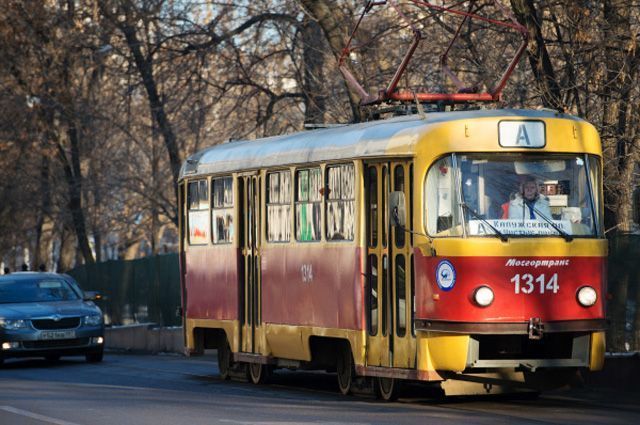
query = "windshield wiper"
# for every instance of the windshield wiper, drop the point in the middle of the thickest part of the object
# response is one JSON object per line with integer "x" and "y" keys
{"x": 474, "y": 213}
{"x": 567, "y": 237}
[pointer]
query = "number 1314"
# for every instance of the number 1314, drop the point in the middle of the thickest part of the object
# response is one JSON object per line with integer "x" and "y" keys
{"x": 527, "y": 283}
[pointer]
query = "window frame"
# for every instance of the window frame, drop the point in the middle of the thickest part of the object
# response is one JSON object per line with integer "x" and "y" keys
{"x": 290, "y": 203}
{"x": 200, "y": 208}
{"x": 224, "y": 207}
{"x": 326, "y": 201}
{"x": 593, "y": 202}
{"x": 296, "y": 202}
{"x": 426, "y": 208}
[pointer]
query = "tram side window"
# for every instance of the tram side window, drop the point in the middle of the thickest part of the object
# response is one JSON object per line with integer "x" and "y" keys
{"x": 401, "y": 295}
{"x": 340, "y": 208}
{"x": 372, "y": 295}
{"x": 222, "y": 211}
{"x": 398, "y": 184}
{"x": 442, "y": 212}
{"x": 372, "y": 210}
{"x": 596, "y": 184}
{"x": 198, "y": 203}
{"x": 308, "y": 204}
{"x": 279, "y": 206}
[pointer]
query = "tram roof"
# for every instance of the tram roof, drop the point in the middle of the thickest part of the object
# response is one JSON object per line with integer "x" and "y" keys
{"x": 364, "y": 140}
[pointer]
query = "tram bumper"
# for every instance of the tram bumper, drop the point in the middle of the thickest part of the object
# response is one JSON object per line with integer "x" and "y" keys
{"x": 470, "y": 364}
{"x": 458, "y": 347}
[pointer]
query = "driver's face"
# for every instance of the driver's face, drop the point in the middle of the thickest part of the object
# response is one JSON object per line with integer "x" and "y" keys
{"x": 530, "y": 190}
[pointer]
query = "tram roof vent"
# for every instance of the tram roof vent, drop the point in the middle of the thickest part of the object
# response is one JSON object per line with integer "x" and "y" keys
{"x": 316, "y": 126}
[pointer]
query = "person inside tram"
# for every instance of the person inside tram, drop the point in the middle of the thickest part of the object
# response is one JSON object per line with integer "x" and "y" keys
{"x": 529, "y": 203}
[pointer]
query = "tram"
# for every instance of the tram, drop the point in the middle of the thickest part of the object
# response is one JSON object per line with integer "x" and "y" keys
{"x": 464, "y": 249}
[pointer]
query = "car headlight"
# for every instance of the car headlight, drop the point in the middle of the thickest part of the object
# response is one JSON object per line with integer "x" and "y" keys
{"x": 587, "y": 296}
{"x": 483, "y": 296}
{"x": 14, "y": 324}
{"x": 92, "y": 320}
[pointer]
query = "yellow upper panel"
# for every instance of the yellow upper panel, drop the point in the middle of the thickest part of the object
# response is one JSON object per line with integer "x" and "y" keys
{"x": 563, "y": 135}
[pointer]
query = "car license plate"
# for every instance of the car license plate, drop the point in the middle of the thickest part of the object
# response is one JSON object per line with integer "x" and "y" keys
{"x": 47, "y": 335}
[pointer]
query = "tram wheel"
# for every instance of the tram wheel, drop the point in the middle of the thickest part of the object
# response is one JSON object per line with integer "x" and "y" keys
{"x": 387, "y": 388}
{"x": 259, "y": 373}
{"x": 345, "y": 370}
{"x": 224, "y": 360}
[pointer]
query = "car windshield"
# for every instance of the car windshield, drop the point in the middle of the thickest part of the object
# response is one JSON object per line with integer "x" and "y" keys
{"x": 37, "y": 290}
{"x": 514, "y": 195}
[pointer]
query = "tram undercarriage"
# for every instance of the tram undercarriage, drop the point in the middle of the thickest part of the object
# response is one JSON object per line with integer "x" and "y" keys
{"x": 450, "y": 364}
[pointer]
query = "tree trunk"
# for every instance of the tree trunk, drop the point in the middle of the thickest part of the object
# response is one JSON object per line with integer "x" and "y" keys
{"x": 620, "y": 137}
{"x": 73, "y": 175}
{"x": 145, "y": 69}
{"x": 40, "y": 253}
{"x": 66, "y": 261}
{"x": 538, "y": 55}
{"x": 332, "y": 21}
{"x": 624, "y": 207}
{"x": 313, "y": 58}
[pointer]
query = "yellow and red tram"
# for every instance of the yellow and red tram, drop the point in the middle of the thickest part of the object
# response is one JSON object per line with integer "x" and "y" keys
{"x": 462, "y": 248}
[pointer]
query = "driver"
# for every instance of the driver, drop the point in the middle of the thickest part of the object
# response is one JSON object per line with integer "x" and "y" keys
{"x": 529, "y": 203}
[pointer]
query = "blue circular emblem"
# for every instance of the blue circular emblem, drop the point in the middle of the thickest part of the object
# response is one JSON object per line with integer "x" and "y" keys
{"x": 445, "y": 275}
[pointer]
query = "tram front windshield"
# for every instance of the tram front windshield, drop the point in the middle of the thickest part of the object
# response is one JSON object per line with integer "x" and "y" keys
{"x": 513, "y": 195}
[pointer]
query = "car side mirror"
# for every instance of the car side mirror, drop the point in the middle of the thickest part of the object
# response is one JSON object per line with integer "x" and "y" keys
{"x": 397, "y": 208}
{"x": 92, "y": 296}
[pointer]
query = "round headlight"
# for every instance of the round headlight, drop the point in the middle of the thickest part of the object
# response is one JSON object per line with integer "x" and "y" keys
{"x": 483, "y": 296}
{"x": 587, "y": 296}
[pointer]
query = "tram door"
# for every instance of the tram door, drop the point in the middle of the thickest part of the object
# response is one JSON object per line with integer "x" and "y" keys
{"x": 249, "y": 273}
{"x": 389, "y": 289}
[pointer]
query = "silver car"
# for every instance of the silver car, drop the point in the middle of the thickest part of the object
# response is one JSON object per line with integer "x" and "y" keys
{"x": 48, "y": 315}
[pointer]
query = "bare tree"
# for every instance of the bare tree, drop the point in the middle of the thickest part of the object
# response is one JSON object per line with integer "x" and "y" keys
{"x": 46, "y": 77}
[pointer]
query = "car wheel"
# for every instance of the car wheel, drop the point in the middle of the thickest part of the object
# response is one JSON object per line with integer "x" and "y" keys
{"x": 94, "y": 357}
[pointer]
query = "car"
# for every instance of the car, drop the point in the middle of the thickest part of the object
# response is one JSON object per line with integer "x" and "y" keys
{"x": 48, "y": 315}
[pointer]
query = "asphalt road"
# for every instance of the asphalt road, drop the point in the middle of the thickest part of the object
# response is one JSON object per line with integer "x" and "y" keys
{"x": 144, "y": 389}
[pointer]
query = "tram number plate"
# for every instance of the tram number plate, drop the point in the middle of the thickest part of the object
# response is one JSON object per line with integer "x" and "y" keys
{"x": 48, "y": 335}
{"x": 528, "y": 283}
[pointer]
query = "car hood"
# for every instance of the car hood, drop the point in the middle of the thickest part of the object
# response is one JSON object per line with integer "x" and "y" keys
{"x": 44, "y": 309}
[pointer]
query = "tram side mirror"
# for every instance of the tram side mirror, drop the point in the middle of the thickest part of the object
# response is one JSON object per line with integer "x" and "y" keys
{"x": 397, "y": 209}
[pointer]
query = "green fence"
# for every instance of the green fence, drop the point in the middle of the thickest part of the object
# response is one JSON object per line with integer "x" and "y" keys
{"x": 135, "y": 291}
{"x": 623, "y": 305}
{"x": 148, "y": 290}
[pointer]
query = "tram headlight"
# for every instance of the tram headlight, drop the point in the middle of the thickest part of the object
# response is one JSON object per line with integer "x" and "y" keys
{"x": 483, "y": 296}
{"x": 587, "y": 296}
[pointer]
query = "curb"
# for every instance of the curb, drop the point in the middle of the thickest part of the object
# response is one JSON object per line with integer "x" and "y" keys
{"x": 145, "y": 338}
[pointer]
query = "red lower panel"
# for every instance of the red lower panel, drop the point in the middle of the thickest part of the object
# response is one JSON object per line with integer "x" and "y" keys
{"x": 212, "y": 283}
{"x": 524, "y": 287}
{"x": 312, "y": 285}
